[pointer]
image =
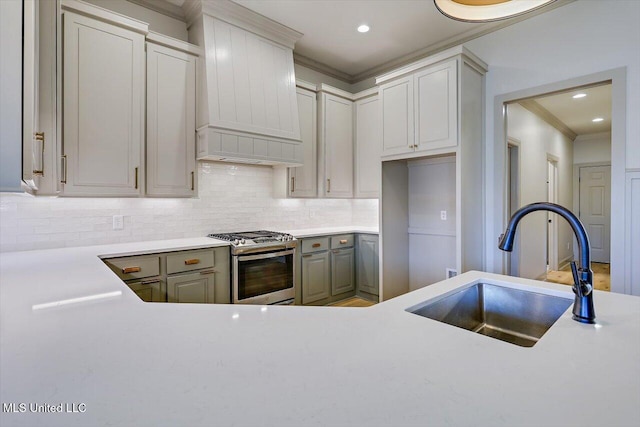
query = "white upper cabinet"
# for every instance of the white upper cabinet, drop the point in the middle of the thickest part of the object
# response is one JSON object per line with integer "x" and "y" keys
{"x": 436, "y": 116}
{"x": 419, "y": 110}
{"x": 368, "y": 147}
{"x": 171, "y": 158}
{"x": 103, "y": 108}
{"x": 304, "y": 179}
{"x": 396, "y": 100}
{"x": 336, "y": 145}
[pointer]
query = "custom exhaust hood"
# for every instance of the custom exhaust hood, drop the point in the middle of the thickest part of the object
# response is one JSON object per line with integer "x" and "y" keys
{"x": 247, "y": 105}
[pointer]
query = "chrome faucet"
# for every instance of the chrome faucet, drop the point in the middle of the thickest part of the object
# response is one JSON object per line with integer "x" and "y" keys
{"x": 583, "y": 276}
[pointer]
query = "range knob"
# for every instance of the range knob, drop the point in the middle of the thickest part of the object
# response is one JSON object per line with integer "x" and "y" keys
{"x": 280, "y": 237}
{"x": 235, "y": 241}
{"x": 242, "y": 241}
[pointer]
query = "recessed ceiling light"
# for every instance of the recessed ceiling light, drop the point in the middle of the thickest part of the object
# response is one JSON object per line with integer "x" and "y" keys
{"x": 597, "y": 119}
{"x": 579, "y": 95}
{"x": 363, "y": 28}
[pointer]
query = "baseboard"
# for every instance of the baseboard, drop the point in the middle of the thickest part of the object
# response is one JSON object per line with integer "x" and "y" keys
{"x": 564, "y": 262}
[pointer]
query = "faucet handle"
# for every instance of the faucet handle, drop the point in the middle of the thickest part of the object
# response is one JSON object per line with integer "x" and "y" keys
{"x": 577, "y": 287}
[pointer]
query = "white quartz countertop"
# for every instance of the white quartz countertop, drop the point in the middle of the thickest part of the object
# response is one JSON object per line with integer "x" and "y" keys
{"x": 124, "y": 362}
{"x": 325, "y": 231}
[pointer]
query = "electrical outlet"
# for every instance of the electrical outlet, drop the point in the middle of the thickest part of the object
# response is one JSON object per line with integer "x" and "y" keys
{"x": 118, "y": 222}
{"x": 568, "y": 245}
{"x": 443, "y": 215}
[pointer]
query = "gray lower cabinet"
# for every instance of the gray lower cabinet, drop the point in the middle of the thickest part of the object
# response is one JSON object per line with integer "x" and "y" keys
{"x": 315, "y": 277}
{"x": 367, "y": 264}
{"x": 327, "y": 269}
{"x": 193, "y": 276}
{"x": 342, "y": 271}
{"x": 193, "y": 288}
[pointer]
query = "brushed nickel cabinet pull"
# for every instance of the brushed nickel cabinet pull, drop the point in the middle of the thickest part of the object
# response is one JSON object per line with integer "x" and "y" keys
{"x": 293, "y": 184}
{"x": 128, "y": 270}
{"x": 307, "y": 255}
{"x": 336, "y": 251}
{"x": 343, "y": 241}
{"x": 136, "y": 178}
{"x": 40, "y": 172}
{"x": 150, "y": 282}
{"x": 328, "y": 185}
{"x": 193, "y": 186}
{"x": 208, "y": 271}
{"x": 191, "y": 261}
{"x": 64, "y": 162}
{"x": 316, "y": 245}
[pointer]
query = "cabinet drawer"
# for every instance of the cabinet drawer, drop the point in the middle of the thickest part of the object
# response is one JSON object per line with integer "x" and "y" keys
{"x": 188, "y": 261}
{"x": 315, "y": 244}
{"x": 135, "y": 267}
{"x": 342, "y": 241}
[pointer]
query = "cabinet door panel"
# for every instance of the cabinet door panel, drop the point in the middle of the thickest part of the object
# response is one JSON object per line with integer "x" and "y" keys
{"x": 103, "y": 107}
{"x": 191, "y": 288}
{"x": 436, "y": 113}
{"x": 368, "y": 148}
{"x": 149, "y": 290}
{"x": 368, "y": 264}
{"x": 338, "y": 146}
{"x": 342, "y": 271}
{"x": 171, "y": 159}
{"x": 315, "y": 277}
{"x": 397, "y": 116}
{"x": 303, "y": 179}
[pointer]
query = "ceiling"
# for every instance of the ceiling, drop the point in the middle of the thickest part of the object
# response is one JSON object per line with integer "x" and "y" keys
{"x": 577, "y": 114}
{"x": 401, "y": 30}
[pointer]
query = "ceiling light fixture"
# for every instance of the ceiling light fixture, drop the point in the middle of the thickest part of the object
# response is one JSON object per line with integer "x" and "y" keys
{"x": 486, "y": 10}
{"x": 363, "y": 28}
{"x": 597, "y": 119}
{"x": 579, "y": 95}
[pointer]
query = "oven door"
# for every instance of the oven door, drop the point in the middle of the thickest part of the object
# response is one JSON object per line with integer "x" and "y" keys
{"x": 266, "y": 278}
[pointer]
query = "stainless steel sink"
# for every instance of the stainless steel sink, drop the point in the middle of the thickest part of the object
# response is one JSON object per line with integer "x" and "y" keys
{"x": 512, "y": 315}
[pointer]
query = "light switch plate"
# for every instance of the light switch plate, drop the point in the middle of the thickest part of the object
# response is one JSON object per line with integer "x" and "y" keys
{"x": 118, "y": 222}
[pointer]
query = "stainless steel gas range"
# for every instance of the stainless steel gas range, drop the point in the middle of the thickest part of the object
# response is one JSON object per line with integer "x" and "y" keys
{"x": 262, "y": 266}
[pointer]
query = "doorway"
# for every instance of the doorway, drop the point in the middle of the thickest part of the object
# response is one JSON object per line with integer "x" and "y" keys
{"x": 565, "y": 144}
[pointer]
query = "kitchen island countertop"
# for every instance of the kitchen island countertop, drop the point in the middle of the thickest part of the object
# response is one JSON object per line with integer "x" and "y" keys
{"x": 125, "y": 362}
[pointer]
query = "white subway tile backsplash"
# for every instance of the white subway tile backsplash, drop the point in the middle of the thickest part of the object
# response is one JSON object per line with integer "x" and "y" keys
{"x": 231, "y": 198}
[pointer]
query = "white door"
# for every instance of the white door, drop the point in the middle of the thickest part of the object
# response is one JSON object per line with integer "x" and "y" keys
{"x": 595, "y": 209}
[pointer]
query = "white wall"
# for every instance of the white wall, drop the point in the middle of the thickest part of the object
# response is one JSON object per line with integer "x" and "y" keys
{"x": 575, "y": 40}
{"x": 231, "y": 198}
{"x": 592, "y": 148}
{"x": 537, "y": 139}
{"x": 11, "y": 95}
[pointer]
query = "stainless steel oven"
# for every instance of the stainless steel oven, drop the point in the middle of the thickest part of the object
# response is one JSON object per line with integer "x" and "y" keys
{"x": 264, "y": 278}
{"x": 262, "y": 267}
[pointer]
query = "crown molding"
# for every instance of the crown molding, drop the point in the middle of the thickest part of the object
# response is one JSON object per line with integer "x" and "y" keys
{"x": 548, "y": 117}
{"x": 240, "y": 16}
{"x": 161, "y": 39}
{"x": 162, "y": 7}
{"x": 321, "y": 68}
{"x": 105, "y": 15}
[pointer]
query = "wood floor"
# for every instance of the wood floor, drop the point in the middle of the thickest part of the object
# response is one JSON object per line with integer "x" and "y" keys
{"x": 601, "y": 276}
{"x": 353, "y": 302}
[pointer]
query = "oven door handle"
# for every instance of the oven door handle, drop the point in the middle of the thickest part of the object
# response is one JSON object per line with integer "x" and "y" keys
{"x": 242, "y": 258}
